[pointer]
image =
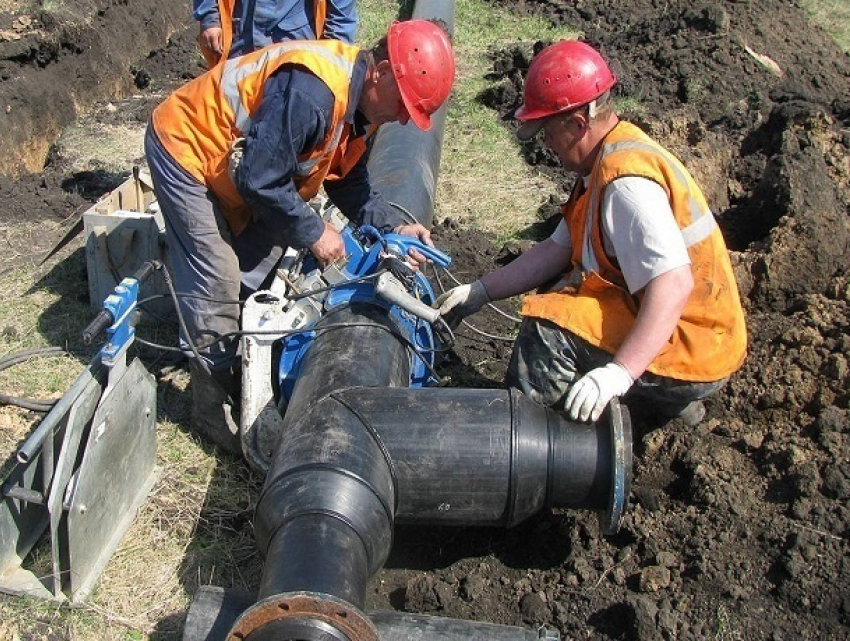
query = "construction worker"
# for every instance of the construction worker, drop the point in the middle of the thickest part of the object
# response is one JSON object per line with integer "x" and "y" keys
{"x": 237, "y": 153}
{"x": 259, "y": 23}
{"x": 645, "y": 299}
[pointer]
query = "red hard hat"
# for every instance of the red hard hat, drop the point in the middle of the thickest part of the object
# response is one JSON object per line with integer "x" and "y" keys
{"x": 563, "y": 77}
{"x": 424, "y": 66}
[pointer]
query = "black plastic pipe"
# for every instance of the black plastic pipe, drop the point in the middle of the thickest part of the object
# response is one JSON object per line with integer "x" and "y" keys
{"x": 405, "y": 161}
{"x": 359, "y": 449}
{"x": 214, "y": 610}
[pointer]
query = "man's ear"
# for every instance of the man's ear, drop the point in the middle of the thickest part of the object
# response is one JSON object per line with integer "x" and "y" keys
{"x": 373, "y": 74}
{"x": 382, "y": 68}
{"x": 581, "y": 121}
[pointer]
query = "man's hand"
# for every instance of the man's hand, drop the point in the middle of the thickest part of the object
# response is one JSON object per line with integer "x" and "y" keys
{"x": 592, "y": 393}
{"x": 329, "y": 247}
{"x": 462, "y": 301}
{"x": 212, "y": 41}
{"x": 421, "y": 232}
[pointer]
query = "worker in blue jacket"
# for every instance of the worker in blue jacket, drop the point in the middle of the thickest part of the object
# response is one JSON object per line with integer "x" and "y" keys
{"x": 237, "y": 154}
{"x": 259, "y": 23}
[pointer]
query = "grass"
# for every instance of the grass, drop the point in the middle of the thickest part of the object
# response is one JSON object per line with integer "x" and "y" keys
{"x": 484, "y": 182}
{"x": 833, "y": 16}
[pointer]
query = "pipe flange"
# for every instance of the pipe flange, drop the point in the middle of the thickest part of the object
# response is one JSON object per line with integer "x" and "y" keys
{"x": 621, "y": 467}
{"x": 322, "y": 613}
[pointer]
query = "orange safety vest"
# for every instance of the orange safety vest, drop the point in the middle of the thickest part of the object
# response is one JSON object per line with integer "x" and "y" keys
{"x": 710, "y": 340}
{"x": 199, "y": 122}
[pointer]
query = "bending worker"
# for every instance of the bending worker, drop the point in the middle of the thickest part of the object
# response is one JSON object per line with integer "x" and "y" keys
{"x": 297, "y": 116}
{"x": 645, "y": 299}
{"x": 259, "y": 23}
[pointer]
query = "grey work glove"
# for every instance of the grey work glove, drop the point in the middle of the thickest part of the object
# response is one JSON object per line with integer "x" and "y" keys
{"x": 461, "y": 301}
{"x": 591, "y": 393}
{"x": 234, "y": 158}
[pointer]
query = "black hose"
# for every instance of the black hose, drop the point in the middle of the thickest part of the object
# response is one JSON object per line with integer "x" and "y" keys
{"x": 32, "y": 404}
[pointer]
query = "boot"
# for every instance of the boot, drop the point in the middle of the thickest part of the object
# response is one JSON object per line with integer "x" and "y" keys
{"x": 692, "y": 414}
{"x": 215, "y": 407}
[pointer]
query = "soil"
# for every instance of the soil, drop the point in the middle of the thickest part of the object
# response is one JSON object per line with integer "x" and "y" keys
{"x": 737, "y": 528}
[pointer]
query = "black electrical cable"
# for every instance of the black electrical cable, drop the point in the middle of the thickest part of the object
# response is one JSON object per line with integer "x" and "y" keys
{"x": 167, "y": 278}
{"x": 33, "y": 404}
{"x": 174, "y": 295}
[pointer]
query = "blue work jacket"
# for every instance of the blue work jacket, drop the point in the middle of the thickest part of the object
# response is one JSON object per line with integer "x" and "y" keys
{"x": 259, "y": 23}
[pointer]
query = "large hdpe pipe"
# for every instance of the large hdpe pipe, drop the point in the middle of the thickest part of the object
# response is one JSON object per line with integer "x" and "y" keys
{"x": 405, "y": 161}
{"x": 214, "y": 610}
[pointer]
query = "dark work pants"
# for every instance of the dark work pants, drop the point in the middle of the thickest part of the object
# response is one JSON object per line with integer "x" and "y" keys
{"x": 547, "y": 360}
{"x": 203, "y": 261}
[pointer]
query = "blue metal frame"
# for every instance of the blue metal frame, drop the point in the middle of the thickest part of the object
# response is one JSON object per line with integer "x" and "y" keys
{"x": 366, "y": 248}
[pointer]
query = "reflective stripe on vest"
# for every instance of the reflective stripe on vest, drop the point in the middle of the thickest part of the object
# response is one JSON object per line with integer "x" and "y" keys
{"x": 198, "y": 123}
{"x": 702, "y": 220}
{"x": 235, "y": 72}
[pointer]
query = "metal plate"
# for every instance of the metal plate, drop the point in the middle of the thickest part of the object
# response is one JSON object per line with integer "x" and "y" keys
{"x": 22, "y": 523}
{"x": 115, "y": 476}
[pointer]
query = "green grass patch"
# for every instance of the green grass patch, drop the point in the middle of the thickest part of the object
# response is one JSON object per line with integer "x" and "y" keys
{"x": 833, "y": 16}
{"x": 484, "y": 181}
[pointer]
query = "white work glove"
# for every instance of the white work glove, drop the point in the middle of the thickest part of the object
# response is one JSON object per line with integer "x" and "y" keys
{"x": 462, "y": 301}
{"x": 592, "y": 392}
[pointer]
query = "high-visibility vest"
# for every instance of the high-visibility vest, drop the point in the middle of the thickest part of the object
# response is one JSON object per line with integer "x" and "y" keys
{"x": 199, "y": 122}
{"x": 710, "y": 340}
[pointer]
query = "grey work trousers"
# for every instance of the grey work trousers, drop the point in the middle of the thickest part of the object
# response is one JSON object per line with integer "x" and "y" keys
{"x": 209, "y": 266}
{"x": 547, "y": 359}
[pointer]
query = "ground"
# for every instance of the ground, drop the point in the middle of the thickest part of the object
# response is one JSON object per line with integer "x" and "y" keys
{"x": 738, "y": 528}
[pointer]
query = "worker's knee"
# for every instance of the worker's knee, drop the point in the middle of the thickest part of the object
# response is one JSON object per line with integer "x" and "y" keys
{"x": 544, "y": 363}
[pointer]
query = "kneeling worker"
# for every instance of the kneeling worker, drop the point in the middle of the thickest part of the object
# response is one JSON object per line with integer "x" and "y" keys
{"x": 647, "y": 302}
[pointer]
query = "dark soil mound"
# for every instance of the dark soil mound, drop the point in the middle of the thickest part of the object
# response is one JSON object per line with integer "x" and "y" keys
{"x": 733, "y": 523}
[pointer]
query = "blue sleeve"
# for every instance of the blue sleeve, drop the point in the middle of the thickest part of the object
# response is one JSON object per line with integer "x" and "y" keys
{"x": 206, "y": 12}
{"x": 292, "y": 119}
{"x": 341, "y": 21}
{"x": 360, "y": 202}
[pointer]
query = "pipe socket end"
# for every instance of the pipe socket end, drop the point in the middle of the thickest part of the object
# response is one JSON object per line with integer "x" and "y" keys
{"x": 303, "y": 615}
{"x": 617, "y": 415}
